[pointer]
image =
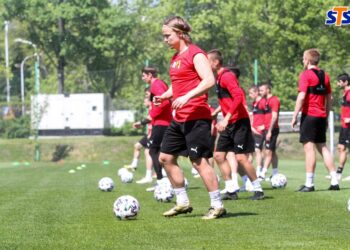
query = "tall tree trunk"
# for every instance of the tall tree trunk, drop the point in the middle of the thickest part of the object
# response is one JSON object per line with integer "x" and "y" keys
{"x": 61, "y": 59}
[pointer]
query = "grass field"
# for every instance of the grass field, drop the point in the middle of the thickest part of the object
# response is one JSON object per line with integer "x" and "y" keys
{"x": 42, "y": 206}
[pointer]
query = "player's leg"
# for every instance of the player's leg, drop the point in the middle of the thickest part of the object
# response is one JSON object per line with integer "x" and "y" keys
{"x": 225, "y": 145}
{"x": 329, "y": 163}
{"x": 148, "y": 175}
{"x": 243, "y": 145}
{"x": 174, "y": 142}
{"x": 197, "y": 135}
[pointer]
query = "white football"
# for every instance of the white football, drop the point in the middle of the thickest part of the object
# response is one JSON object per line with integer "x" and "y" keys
{"x": 106, "y": 184}
{"x": 121, "y": 171}
{"x": 127, "y": 177}
{"x": 163, "y": 192}
{"x": 278, "y": 181}
{"x": 349, "y": 205}
{"x": 126, "y": 207}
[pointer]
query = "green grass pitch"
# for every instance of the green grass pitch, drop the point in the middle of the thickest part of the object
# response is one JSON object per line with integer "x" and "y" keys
{"x": 42, "y": 206}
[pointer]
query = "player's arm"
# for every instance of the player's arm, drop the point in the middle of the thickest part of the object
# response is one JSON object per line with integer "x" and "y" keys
{"x": 215, "y": 113}
{"x": 329, "y": 101}
{"x": 298, "y": 105}
{"x": 204, "y": 71}
{"x": 157, "y": 100}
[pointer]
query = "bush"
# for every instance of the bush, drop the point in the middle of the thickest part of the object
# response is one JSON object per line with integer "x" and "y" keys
{"x": 61, "y": 152}
{"x": 15, "y": 128}
{"x": 125, "y": 130}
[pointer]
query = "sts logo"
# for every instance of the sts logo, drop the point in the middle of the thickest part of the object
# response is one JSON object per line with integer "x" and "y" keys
{"x": 338, "y": 15}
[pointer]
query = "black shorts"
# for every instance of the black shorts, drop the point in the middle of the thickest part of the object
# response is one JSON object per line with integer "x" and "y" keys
{"x": 156, "y": 137}
{"x": 212, "y": 143}
{"x": 143, "y": 141}
{"x": 191, "y": 138}
{"x": 344, "y": 137}
{"x": 313, "y": 129}
{"x": 236, "y": 138}
{"x": 271, "y": 145}
{"x": 259, "y": 140}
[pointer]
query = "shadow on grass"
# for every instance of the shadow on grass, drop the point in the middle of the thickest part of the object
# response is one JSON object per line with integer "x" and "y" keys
{"x": 265, "y": 198}
{"x": 199, "y": 215}
{"x": 326, "y": 190}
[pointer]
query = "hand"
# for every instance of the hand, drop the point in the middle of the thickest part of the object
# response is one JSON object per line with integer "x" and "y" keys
{"x": 180, "y": 102}
{"x": 346, "y": 120}
{"x": 136, "y": 125}
{"x": 221, "y": 126}
{"x": 157, "y": 100}
{"x": 268, "y": 136}
{"x": 294, "y": 122}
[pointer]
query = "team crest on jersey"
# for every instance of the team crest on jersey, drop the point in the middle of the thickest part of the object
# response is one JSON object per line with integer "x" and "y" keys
{"x": 176, "y": 64}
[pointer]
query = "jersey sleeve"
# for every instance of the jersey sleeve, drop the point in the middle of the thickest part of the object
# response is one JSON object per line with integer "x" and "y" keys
{"x": 275, "y": 104}
{"x": 230, "y": 82}
{"x": 303, "y": 82}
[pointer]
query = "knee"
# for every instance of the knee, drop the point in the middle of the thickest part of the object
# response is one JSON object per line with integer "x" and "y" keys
{"x": 241, "y": 157}
{"x": 137, "y": 146}
{"x": 164, "y": 159}
{"x": 219, "y": 157}
{"x": 341, "y": 148}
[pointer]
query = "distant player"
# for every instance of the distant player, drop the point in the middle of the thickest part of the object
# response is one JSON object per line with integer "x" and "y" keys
{"x": 314, "y": 101}
{"x": 189, "y": 132}
{"x": 235, "y": 131}
{"x": 143, "y": 144}
{"x": 271, "y": 113}
{"x": 258, "y": 125}
{"x": 344, "y": 134}
{"x": 161, "y": 116}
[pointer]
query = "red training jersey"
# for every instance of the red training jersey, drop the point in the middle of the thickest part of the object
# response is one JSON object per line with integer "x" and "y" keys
{"x": 345, "y": 109}
{"x": 184, "y": 78}
{"x": 231, "y": 96}
{"x": 258, "y": 110}
{"x": 272, "y": 104}
{"x": 161, "y": 115}
{"x": 314, "y": 105}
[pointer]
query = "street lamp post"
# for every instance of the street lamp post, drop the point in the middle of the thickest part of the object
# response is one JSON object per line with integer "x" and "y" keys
{"x": 22, "y": 82}
{"x": 35, "y": 108}
{"x": 7, "y": 61}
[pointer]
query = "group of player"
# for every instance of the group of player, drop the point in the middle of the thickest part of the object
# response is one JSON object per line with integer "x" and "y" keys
{"x": 183, "y": 126}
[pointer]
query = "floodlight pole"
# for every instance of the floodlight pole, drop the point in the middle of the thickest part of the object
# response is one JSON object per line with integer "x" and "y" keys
{"x": 22, "y": 82}
{"x": 7, "y": 61}
{"x": 36, "y": 112}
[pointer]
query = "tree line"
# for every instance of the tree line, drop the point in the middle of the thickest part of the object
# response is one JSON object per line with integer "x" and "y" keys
{"x": 101, "y": 45}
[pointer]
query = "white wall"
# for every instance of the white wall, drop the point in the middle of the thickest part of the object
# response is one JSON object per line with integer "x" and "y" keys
{"x": 75, "y": 111}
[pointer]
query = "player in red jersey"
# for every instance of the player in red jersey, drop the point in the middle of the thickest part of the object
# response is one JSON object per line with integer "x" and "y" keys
{"x": 235, "y": 131}
{"x": 143, "y": 144}
{"x": 160, "y": 117}
{"x": 314, "y": 101}
{"x": 258, "y": 124}
{"x": 272, "y": 109}
{"x": 189, "y": 132}
{"x": 344, "y": 134}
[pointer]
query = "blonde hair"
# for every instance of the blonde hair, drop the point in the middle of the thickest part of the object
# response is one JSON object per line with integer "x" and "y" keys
{"x": 313, "y": 56}
{"x": 180, "y": 26}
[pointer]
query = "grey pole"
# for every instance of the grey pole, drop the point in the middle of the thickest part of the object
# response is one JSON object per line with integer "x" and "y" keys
{"x": 7, "y": 61}
{"x": 22, "y": 82}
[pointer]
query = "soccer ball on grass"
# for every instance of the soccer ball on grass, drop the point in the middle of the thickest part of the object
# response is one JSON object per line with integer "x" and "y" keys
{"x": 106, "y": 184}
{"x": 126, "y": 207}
{"x": 278, "y": 181}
